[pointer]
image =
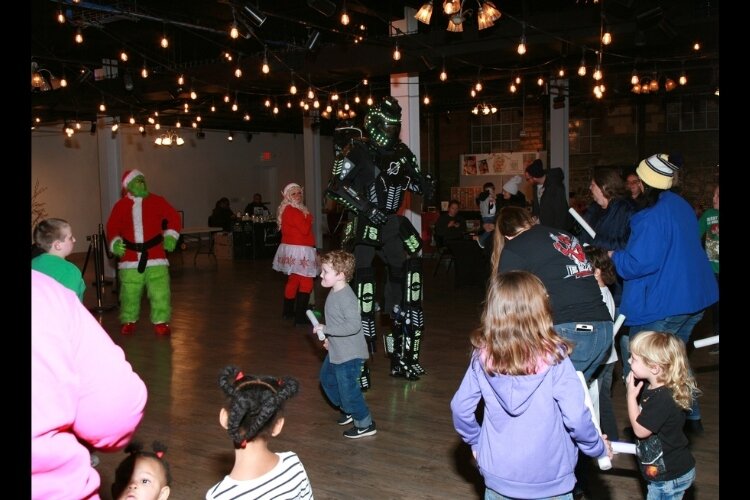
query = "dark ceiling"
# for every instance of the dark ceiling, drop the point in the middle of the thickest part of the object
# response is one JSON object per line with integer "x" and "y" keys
{"x": 653, "y": 37}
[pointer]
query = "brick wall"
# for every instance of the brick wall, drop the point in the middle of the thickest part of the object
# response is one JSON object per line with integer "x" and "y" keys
{"x": 619, "y": 146}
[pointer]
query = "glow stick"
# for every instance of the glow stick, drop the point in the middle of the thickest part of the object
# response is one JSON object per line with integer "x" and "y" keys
{"x": 618, "y": 323}
{"x": 314, "y": 321}
{"x": 582, "y": 222}
{"x": 707, "y": 341}
{"x": 604, "y": 462}
{"x": 622, "y": 447}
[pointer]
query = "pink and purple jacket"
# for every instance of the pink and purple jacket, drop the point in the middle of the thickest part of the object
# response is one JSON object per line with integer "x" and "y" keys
{"x": 82, "y": 388}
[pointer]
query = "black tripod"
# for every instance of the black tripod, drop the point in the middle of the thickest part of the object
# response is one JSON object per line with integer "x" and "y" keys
{"x": 97, "y": 247}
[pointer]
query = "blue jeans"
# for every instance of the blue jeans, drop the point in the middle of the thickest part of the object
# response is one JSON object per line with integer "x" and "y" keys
{"x": 680, "y": 325}
{"x": 591, "y": 348}
{"x": 341, "y": 384}
{"x": 494, "y": 495}
{"x": 672, "y": 489}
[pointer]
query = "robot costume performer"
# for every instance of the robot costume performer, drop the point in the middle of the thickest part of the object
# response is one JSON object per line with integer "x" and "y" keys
{"x": 370, "y": 177}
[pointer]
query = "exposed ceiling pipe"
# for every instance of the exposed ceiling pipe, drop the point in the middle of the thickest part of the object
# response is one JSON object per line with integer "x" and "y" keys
{"x": 126, "y": 13}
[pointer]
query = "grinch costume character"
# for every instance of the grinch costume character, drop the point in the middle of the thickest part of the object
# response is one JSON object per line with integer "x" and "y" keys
{"x": 141, "y": 227}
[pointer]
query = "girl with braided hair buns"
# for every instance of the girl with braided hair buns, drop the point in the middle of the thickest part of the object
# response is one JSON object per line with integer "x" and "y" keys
{"x": 252, "y": 413}
{"x": 143, "y": 475}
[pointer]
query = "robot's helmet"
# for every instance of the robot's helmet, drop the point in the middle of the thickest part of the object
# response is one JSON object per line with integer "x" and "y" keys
{"x": 383, "y": 122}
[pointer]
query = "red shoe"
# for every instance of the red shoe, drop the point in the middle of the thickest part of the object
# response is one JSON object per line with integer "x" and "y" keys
{"x": 128, "y": 328}
{"x": 162, "y": 329}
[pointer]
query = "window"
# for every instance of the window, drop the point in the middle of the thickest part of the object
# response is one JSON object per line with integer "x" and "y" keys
{"x": 584, "y": 135}
{"x": 690, "y": 113}
{"x": 496, "y": 133}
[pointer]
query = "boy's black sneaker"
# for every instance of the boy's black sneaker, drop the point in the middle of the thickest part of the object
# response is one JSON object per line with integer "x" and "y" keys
{"x": 344, "y": 419}
{"x": 358, "y": 432}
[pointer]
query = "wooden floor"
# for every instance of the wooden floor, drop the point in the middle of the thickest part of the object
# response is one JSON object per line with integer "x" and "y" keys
{"x": 229, "y": 312}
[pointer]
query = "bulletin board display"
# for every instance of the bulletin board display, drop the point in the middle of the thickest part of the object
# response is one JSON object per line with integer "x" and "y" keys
{"x": 473, "y": 165}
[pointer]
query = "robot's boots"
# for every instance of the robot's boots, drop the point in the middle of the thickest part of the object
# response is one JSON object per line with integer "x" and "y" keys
{"x": 364, "y": 378}
{"x": 402, "y": 345}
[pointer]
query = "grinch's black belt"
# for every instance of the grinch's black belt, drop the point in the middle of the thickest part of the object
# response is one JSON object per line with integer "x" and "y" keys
{"x": 143, "y": 249}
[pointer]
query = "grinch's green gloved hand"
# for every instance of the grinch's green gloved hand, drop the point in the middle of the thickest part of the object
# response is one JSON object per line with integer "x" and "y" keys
{"x": 170, "y": 243}
{"x": 118, "y": 248}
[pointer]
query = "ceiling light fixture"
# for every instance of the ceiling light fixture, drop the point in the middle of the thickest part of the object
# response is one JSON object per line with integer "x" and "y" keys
{"x": 487, "y": 14}
{"x": 169, "y": 138}
{"x": 424, "y": 14}
{"x": 484, "y": 109}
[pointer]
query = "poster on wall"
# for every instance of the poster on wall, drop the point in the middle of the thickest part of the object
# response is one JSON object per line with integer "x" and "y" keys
{"x": 498, "y": 163}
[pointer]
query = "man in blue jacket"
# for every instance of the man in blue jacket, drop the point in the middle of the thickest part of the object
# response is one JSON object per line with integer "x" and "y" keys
{"x": 668, "y": 281}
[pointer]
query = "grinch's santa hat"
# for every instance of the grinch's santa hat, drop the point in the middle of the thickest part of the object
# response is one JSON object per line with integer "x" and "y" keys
{"x": 129, "y": 175}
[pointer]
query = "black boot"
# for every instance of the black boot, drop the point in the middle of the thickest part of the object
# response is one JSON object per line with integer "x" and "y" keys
{"x": 300, "y": 308}
{"x": 288, "y": 311}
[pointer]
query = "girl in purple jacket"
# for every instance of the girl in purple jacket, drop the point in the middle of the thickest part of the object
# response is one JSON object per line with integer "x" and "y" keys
{"x": 535, "y": 417}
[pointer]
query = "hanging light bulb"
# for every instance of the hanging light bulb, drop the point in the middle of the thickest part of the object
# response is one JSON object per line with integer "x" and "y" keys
{"x": 396, "y": 54}
{"x": 443, "y": 75}
{"x": 683, "y": 79}
{"x": 63, "y": 81}
{"x": 238, "y": 72}
{"x": 144, "y": 71}
{"x": 164, "y": 42}
{"x": 124, "y": 56}
{"x": 540, "y": 81}
{"x": 234, "y": 33}
{"x": 597, "y": 73}
{"x": 265, "y": 68}
{"x": 180, "y": 80}
{"x": 193, "y": 95}
{"x": 344, "y": 17}
{"x": 582, "y": 67}
{"x": 60, "y": 17}
{"x": 522, "y": 46}
{"x": 426, "y": 100}
{"x": 79, "y": 36}
{"x": 634, "y": 80}
{"x": 561, "y": 72}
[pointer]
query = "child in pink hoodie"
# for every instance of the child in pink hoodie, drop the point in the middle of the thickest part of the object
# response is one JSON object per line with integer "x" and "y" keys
{"x": 82, "y": 391}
